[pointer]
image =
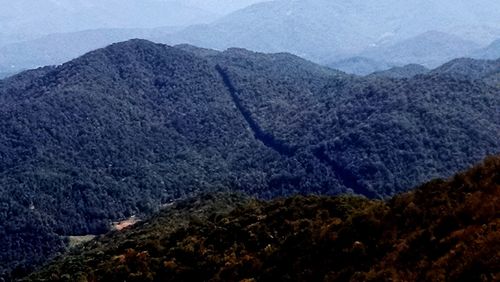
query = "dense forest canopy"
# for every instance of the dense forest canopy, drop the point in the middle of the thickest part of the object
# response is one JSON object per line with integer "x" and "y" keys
{"x": 122, "y": 130}
{"x": 445, "y": 230}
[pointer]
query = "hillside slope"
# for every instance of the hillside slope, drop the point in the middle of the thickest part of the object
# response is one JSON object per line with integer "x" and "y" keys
{"x": 114, "y": 133}
{"x": 125, "y": 129}
{"x": 364, "y": 130}
{"x": 445, "y": 230}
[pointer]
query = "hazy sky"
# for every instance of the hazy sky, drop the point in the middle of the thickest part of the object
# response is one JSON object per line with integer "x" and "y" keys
{"x": 36, "y": 17}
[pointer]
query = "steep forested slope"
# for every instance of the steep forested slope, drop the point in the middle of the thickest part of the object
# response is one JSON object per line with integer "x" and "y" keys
{"x": 127, "y": 128}
{"x": 116, "y": 132}
{"x": 376, "y": 135}
{"x": 442, "y": 231}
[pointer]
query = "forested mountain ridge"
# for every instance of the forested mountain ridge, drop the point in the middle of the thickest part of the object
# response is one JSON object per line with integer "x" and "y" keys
{"x": 124, "y": 129}
{"x": 465, "y": 68}
{"x": 109, "y": 135}
{"x": 352, "y": 118}
{"x": 445, "y": 230}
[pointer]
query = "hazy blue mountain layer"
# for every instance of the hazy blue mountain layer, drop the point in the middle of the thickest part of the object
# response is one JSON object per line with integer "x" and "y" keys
{"x": 392, "y": 32}
{"x": 429, "y": 49}
{"x": 324, "y": 30}
{"x": 407, "y": 71}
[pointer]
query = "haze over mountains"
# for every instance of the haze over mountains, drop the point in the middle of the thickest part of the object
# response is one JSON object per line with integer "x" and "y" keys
{"x": 31, "y": 17}
{"x": 61, "y": 47}
{"x": 391, "y": 32}
{"x": 429, "y": 49}
{"x": 319, "y": 29}
{"x": 365, "y": 99}
{"x": 127, "y": 128}
{"x": 490, "y": 52}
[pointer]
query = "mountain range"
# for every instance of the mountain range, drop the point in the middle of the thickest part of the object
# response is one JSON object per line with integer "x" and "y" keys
{"x": 430, "y": 49}
{"x": 29, "y": 17}
{"x": 320, "y": 29}
{"x": 386, "y": 33}
{"x": 407, "y": 71}
{"x": 123, "y": 130}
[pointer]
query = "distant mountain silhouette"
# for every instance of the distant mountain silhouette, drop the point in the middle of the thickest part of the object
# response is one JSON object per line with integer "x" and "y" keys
{"x": 491, "y": 52}
{"x": 407, "y": 71}
{"x": 326, "y": 30}
{"x": 390, "y": 32}
{"x": 33, "y": 18}
{"x": 55, "y": 49}
{"x": 429, "y": 49}
{"x": 360, "y": 65}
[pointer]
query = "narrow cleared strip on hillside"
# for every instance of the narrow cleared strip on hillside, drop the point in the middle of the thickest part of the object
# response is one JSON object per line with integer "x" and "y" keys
{"x": 267, "y": 139}
{"x": 345, "y": 176}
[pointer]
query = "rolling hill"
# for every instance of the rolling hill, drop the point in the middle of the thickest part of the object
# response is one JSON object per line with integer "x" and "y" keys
{"x": 445, "y": 230}
{"x": 125, "y": 129}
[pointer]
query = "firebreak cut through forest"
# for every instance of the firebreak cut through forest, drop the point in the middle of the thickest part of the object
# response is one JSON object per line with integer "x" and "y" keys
{"x": 125, "y": 129}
